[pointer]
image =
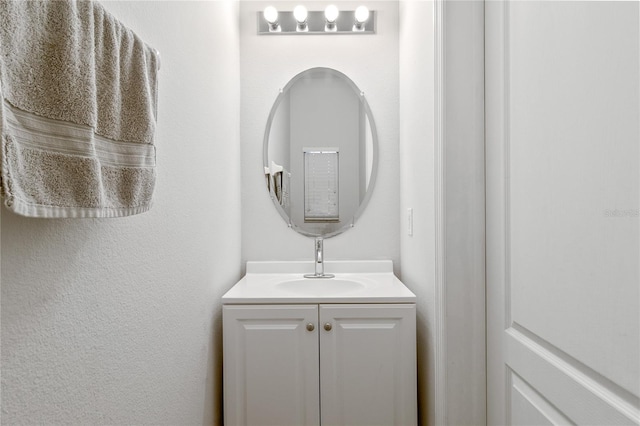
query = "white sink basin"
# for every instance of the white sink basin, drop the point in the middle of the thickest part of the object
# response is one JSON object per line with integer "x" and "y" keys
{"x": 320, "y": 286}
{"x": 354, "y": 282}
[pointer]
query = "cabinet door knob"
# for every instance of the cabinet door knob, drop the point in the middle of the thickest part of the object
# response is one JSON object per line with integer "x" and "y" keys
{"x": 310, "y": 326}
{"x": 327, "y": 326}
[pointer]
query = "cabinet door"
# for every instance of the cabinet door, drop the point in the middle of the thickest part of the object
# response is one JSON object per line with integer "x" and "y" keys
{"x": 368, "y": 365}
{"x": 271, "y": 365}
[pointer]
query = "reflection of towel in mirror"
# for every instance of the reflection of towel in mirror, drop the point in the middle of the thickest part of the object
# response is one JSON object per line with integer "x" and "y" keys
{"x": 77, "y": 110}
{"x": 277, "y": 186}
{"x": 276, "y": 177}
{"x": 267, "y": 176}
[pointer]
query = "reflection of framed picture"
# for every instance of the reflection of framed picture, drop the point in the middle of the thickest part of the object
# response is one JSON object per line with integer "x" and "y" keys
{"x": 321, "y": 183}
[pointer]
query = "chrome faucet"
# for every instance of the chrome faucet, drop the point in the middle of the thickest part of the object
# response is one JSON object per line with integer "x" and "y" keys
{"x": 319, "y": 261}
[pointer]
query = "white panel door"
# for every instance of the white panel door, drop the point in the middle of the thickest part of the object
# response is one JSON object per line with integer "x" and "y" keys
{"x": 563, "y": 184}
{"x": 271, "y": 365}
{"x": 368, "y": 365}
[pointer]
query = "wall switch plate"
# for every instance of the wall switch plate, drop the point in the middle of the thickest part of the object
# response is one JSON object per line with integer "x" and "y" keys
{"x": 410, "y": 221}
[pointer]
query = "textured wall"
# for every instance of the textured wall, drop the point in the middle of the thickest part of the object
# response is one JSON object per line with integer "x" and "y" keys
{"x": 117, "y": 321}
{"x": 267, "y": 63}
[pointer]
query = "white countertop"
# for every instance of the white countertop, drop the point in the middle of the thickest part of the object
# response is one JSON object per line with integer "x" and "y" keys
{"x": 354, "y": 282}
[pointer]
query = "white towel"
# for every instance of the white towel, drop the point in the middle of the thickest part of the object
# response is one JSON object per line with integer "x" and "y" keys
{"x": 77, "y": 113}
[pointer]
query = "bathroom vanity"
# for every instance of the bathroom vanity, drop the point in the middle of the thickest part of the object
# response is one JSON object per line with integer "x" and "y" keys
{"x": 328, "y": 351}
{"x": 320, "y": 343}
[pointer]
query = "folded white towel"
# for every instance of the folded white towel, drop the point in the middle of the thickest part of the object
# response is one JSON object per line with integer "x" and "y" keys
{"x": 78, "y": 111}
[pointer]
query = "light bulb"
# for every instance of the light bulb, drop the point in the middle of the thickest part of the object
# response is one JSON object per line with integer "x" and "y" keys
{"x": 362, "y": 14}
{"x": 331, "y": 13}
{"x": 300, "y": 13}
{"x": 271, "y": 14}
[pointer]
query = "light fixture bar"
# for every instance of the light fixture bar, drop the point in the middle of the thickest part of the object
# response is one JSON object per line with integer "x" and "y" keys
{"x": 316, "y": 24}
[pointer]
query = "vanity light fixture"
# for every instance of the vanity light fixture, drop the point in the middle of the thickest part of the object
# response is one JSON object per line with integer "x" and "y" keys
{"x": 330, "y": 15}
{"x": 362, "y": 15}
{"x": 300, "y": 14}
{"x": 329, "y": 21}
{"x": 271, "y": 16}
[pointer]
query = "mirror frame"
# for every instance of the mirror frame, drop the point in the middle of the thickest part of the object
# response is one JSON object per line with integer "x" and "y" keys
{"x": 374, "y": 136}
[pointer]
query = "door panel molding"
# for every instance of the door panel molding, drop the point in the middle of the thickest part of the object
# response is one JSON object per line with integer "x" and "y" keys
{"x": 576, "y": 394}
{"x": 569, "y": 363}
{"x": 526, "y": 398}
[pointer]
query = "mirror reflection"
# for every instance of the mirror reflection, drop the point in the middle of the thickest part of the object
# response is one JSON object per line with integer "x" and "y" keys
{"x": 320, "y": 152}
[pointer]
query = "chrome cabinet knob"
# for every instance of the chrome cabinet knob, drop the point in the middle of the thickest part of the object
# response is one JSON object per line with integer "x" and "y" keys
{"x": 327, "y": 326}
{"x": 310, "y": 326}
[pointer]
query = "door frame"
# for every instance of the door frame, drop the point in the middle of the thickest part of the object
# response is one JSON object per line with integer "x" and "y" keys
{"x": 459, "y": 293}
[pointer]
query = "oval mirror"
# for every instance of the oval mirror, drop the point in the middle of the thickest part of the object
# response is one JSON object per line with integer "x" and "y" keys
{"x": 320, "y": 152}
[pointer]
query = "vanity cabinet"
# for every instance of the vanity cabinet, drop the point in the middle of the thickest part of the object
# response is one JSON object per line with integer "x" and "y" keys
{"x": 271, "y": 365}
{"x": 320, "y": 364}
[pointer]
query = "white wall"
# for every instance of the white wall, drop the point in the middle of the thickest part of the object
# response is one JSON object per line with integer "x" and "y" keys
{"x": 267, "y": 63}
{"x": 417, "y": 183}
{"x": 118, "y": 321}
